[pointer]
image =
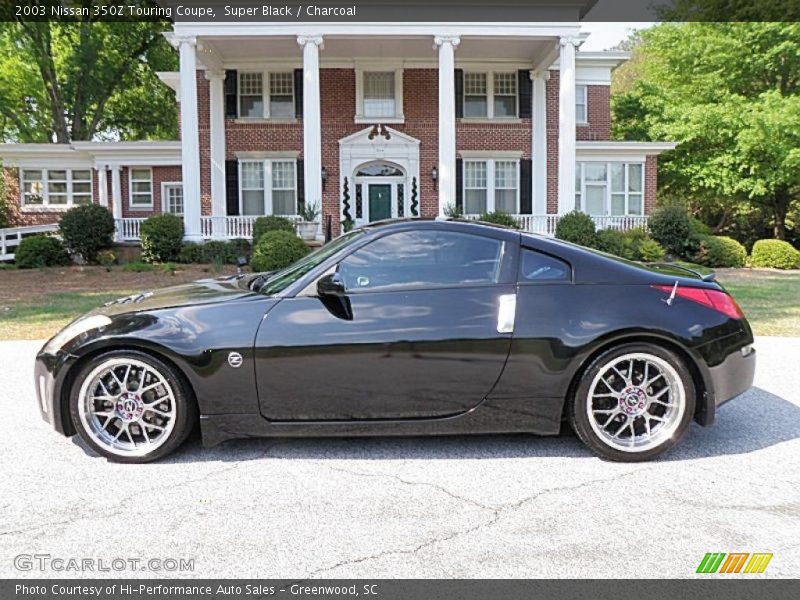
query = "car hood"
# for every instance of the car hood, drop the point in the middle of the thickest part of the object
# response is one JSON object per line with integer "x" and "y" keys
{"x": 203, "y": 291}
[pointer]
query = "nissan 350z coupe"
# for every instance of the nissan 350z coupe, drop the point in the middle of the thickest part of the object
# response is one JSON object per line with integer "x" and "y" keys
{"x": 406, "y": 328}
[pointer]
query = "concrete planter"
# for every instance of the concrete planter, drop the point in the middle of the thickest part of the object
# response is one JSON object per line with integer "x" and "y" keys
{"x": 307, "y": 230}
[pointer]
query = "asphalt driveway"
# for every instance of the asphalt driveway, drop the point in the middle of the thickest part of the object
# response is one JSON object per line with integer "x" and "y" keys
{"x": 496, "y": 506}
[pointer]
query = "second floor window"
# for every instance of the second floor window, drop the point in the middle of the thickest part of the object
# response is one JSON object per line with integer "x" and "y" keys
{"x": 379, "y": 91}
{"x": 266, "y": 95}
{"x": 581, "y": 104}
{"x": 490, "y": 95}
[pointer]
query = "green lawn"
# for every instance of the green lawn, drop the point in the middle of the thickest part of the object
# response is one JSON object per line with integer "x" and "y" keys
{"x": 43, "y": 317}
{"x": 770, "y": 299}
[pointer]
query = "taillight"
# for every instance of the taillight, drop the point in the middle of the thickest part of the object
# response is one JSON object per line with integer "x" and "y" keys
{"x": 716, "y": 299}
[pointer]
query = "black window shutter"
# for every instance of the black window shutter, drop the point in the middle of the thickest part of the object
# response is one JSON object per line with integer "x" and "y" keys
{"x": 525, "y": 94}
{"x": 460, "y": 183}
{"x": 301, "y": 185}
{"x": 298, "y": 93}
{"x": 526, "y": 191}
{"x": 232, "y": 187}
{"x": 459, "y": 93}
{"x": 231, "y": 85}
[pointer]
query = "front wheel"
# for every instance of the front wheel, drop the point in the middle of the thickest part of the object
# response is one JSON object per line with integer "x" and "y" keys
{"x": 633, "y": 403}
{"x": 131, "y": 407}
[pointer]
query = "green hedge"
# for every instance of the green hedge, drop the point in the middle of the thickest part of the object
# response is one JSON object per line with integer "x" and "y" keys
{"x": 775, "y": 254}
{"x": 270, "y": 223}
{"x": 162, "y": 236}
{"x": 499, "y": 218}
{"x": 86, "y": 230}
{"x": 719, "y": 251}
{"x": 276, "y": 250}
{"x": 37, "y": 251}
{"x": 215, "y": 251}
{"x": 633, "y": 244}
{"x": 578, "y": 228}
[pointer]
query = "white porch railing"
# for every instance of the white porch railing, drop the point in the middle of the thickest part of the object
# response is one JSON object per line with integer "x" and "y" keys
{"x": 12, "y": 236}
{"x": 546, "y": 224}
{"x": 129, "y": 229}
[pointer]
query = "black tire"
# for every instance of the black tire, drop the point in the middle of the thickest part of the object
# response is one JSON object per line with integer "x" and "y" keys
{"x": 185, "y": 408}
{"x": 578, "y": 406}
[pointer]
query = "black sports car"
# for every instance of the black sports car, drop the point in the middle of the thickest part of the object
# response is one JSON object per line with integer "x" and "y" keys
{"x": 406, "y": 328}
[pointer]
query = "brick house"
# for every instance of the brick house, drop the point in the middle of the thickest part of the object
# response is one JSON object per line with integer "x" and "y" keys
{"x": 391, "y": 120}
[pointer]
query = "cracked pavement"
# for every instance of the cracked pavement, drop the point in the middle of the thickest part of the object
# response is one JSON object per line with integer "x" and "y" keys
{"x": 479, "y": 506}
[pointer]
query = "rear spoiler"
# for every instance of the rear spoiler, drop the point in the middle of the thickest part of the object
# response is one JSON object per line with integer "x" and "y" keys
{"x": 712, "y": 276}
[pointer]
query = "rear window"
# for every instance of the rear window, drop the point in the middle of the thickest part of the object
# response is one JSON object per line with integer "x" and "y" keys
{"x": 535, "y": 267}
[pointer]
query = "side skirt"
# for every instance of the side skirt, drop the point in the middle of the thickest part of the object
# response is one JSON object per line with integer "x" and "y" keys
{"x": 540, "y": 416}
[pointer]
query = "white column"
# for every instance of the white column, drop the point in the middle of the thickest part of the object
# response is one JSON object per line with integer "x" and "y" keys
{"x": 116, "y": 198}
{"x": 447, "y": 121}
{"x": 190, "y": 139}
{"x": 102, "y": 185}
{"x": 566, "y": 125}
{"x": 216, "y": 109}
{"x": 312, "y": 123}
{"x": 539, "y": 150}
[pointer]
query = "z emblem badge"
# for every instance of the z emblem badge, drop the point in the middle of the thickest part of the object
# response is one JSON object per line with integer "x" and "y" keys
{"x": 235, "y": 360}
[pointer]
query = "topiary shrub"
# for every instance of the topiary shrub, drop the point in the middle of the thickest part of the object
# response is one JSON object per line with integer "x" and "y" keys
{"x": 37, "y": 251}
{"x": 86, "y": 230}
{"x": 271, "y": 223}
{"x": 775, "y": 254}
{"x": 162, "y": 236}
{"x": 719, "y": 252}
{"x": 499, "y": 218}
{"x": 276, "y": 250}
{"x": 578, "y": 228}
{"x": 671, "y": 226}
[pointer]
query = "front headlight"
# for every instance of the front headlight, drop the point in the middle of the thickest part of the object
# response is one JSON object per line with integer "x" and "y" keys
{"x": 73, "y": 330}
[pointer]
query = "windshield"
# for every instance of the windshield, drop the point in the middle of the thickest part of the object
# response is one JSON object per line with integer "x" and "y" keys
{"x": 277, "y": 282}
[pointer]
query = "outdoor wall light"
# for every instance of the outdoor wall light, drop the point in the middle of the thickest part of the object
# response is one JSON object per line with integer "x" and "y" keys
{"x": 434, "y": 176}
{"x": 324, "y": 173}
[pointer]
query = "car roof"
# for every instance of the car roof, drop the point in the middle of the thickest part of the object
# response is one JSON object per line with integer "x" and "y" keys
{"x": 447, "y": 224}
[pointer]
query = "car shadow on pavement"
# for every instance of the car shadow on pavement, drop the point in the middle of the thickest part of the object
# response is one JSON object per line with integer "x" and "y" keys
{"x": 756, "y": 420}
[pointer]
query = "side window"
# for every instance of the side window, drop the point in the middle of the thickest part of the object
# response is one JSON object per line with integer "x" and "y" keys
{"x": 535, "y": 266}
{"x": 414, "y": 259}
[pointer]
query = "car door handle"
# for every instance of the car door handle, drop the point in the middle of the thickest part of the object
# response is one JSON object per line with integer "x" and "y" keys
{"x": 506, "y": 313}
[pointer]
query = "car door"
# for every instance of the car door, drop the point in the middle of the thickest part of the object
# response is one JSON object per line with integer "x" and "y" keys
{"x": 415, "y": 334}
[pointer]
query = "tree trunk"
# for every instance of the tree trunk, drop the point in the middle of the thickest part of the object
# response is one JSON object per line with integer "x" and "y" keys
{"x": 780, "y": 207}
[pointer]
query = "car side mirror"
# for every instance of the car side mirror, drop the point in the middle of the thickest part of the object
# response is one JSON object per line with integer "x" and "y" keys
{"x": 331, "y": 284}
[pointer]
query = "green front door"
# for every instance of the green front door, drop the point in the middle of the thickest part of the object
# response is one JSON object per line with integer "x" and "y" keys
{"x": 380, "y": 202}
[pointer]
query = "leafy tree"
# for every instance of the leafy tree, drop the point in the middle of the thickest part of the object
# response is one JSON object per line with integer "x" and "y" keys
{"x": 67, "y": 81}
{"x": 729, "y": 93}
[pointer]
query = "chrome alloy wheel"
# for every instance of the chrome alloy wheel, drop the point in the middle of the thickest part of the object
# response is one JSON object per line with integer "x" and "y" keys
{"x": 636, "y": 402}
{"x": 127, "y": 407}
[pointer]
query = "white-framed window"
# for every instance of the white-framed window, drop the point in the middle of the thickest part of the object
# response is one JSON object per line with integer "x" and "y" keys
{"x": 609, "y": 188}
{"x": 277, "y": 198}
{"x": 581, "y": 104}
{"x": 490, "y": 95}
{"x": 491, "y": 185}
{"x": 172, "y": 197}
{"x": 140, "y": 190}
{"x": 379, "y": 95}
{"x": 56, "y": 188}
{"x": 264, "y": 95}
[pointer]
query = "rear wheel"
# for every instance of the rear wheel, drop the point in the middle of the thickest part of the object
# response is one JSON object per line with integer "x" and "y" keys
{"x": 633, "y": 403}
{"x": 131, "y": 407}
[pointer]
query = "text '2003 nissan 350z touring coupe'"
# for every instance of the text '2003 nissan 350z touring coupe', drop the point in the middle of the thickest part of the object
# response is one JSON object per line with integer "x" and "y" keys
{"x": 406, "y": 328}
